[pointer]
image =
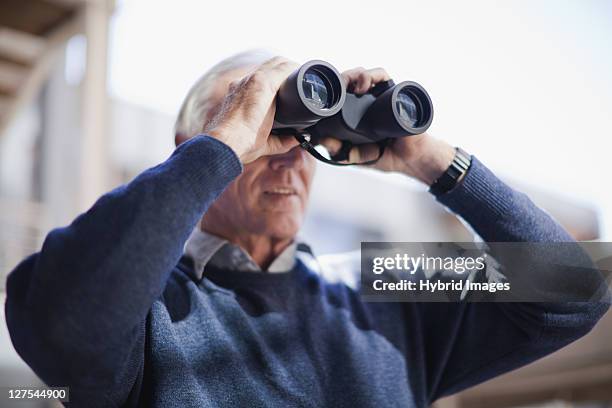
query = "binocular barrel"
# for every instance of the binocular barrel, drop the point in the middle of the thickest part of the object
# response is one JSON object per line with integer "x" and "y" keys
{"x": 314, "y": 100}
{"x": 313, "y": 92}
{"x": 399, "y": 110}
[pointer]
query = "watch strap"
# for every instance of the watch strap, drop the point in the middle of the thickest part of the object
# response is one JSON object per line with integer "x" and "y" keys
{"x": 458, "y": 167}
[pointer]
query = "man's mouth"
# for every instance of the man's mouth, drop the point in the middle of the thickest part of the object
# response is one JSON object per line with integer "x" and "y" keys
{"x": 281, "y": 191}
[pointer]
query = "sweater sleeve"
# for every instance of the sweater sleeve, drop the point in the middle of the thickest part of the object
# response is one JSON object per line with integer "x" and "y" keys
{"x": 467, "y": 343}
{"x": 76, "y": 310}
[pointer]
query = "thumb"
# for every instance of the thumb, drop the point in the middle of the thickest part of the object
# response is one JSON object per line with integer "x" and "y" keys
{"x": 281, "y": 144}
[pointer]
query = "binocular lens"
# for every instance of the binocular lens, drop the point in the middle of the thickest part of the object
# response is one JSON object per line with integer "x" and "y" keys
{"x": 318, "y": 90}
{"x": 310, "y": 93}
{"x": 407, "y": 108}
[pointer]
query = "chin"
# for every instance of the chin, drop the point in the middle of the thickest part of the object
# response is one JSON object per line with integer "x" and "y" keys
{"x": 283, "y": 227}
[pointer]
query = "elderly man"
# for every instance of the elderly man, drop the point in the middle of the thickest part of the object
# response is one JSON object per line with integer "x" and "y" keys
{"x": 182, "y": 288}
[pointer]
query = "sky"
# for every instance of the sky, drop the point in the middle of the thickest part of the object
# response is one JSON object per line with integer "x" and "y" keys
{"x": 525, "y": 86}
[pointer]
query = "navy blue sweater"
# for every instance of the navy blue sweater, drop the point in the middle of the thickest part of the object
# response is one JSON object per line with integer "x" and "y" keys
{"x": 108, "y": 308}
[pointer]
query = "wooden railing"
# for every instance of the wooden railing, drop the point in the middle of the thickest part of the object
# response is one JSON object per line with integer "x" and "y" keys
{"x": 23, "y": 225}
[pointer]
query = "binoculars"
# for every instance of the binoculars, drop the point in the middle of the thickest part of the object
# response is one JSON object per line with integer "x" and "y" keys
{"x": 313, "y": 103}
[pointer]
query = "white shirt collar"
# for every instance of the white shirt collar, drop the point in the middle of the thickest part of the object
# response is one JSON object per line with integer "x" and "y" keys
{"x": 203, "y": 248}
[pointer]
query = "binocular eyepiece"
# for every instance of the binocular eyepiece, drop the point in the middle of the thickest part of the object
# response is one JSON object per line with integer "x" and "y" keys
{"x": 314, "y": 101}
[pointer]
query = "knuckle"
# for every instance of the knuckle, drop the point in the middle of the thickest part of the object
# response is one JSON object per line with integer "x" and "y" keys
{"x": 272, "y": 63}
{"x": 286, "y": 64}
{"x": 351, "y": 73}
{"x": 278, "y": 59}
{"x": 383, "y": 72}
{"x": 258, "y": 79}
{"x": 364, "y": 77}
{"x": 258, "y": 83}
{"x": 234, "y": 85}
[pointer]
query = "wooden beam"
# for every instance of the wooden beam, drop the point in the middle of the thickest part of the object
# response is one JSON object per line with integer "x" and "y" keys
{"x": 34, "y": 79}
{"x": 72, "y": 3}
{"x": 94, "y": 112}
{"x": 33, "y": 16}
{"x": 5, "y": 102}
{"x": 12, "y": 77}
{"x": 19, "y": 46}
{"x": 109, "y": 4}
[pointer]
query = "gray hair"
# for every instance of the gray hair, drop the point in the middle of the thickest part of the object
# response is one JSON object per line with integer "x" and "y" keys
{"x": 197, "y": 102}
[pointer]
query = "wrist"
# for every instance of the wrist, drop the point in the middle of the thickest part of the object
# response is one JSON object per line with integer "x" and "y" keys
{"x": 430, "y": 161}
{"x": 453, "y": 175}
{"x": 230, "y": 138}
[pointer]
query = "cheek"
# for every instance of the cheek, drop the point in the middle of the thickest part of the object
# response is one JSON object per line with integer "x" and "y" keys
{"x": 234, "y": 195}
{"x": 308, "y": 172}
{"x": 249, "y": 182}
{"x": 228, "y": 203}
{"x": 246, "y": 192}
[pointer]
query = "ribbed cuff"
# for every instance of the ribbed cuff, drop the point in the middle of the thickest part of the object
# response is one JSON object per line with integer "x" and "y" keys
{"x": 206, "y": 165}
{"x": 480, "y": 194}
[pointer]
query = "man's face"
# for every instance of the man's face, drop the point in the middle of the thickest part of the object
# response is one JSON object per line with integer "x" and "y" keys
{"x": 269, "y": 198}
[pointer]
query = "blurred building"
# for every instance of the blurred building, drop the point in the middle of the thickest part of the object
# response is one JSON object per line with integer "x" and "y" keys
{"x": 63, "y": 142}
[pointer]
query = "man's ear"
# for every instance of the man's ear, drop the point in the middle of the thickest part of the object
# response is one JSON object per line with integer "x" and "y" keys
{"x": 180, "y": 138}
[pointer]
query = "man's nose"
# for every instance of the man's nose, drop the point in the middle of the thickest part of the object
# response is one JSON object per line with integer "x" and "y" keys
{"x": 293, "y": 159}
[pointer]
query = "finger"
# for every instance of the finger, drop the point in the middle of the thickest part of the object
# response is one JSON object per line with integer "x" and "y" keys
{"x": 272, "y": 62}
{"x": 368, "y": 78}
{"x": 351, "y": 76}
{"x": 234, "y": 85}
{"x": 363, "y": 83}
{"x": 331, "y": 144}
{"x": 378, "y": 75}
{"x": 360, "y": 80}
{"x": 276, "y": 70}
{"x": 281, "y": 144}
{"x": 280, "y": 73}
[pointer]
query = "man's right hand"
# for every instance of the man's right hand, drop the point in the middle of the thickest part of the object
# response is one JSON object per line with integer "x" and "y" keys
{"x": 245, "y": 119}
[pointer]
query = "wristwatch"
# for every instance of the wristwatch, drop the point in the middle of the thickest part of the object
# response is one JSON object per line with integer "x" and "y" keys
{"x": 458, "y": 167}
